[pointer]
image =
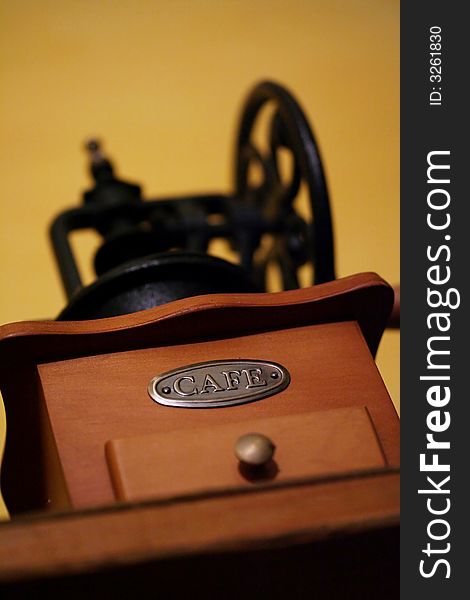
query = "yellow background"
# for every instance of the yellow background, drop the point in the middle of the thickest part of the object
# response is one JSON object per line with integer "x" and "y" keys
{"x": 162, "y": 82}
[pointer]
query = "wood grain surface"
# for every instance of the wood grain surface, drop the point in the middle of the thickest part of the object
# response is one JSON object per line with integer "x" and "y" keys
{"x": 188, "y": 461}
{"x": 69, "y": 388}
{"x": 129, "y": 534}
{"x": 364, "y": 298}
{"x": 95, "y": 399}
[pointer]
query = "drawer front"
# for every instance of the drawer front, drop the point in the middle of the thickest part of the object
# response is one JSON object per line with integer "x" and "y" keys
{"x": 187, "y": 462}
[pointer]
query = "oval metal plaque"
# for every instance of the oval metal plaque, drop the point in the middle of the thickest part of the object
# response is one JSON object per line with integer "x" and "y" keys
{"x": 218, "y": 383}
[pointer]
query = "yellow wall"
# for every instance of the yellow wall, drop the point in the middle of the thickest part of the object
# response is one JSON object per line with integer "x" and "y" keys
{"x": 162, "y": 82}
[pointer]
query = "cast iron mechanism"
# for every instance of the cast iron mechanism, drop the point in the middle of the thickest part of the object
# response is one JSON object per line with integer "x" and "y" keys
{"x": 156, "y": 251}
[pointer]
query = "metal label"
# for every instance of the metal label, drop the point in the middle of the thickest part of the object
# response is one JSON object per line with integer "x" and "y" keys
{"x": 219, "y": 383}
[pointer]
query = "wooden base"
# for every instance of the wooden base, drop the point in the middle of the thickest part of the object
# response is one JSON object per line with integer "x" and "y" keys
{"x": 84, "y": 436}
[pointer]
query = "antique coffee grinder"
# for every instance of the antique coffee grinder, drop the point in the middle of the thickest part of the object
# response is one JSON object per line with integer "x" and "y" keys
{"x": 181, "y": 429}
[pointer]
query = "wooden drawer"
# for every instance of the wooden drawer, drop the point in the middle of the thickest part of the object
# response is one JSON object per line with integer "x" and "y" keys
{"x": 193, "y": 461}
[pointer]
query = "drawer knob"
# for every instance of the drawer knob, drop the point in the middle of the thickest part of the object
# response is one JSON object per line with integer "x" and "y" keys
{"x": 254, "y": 449}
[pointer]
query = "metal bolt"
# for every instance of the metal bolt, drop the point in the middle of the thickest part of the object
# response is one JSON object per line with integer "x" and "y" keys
{"x": 254, "y": 449}
{"x": 93, "y": 147}
{"x": 166, "y": 390}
